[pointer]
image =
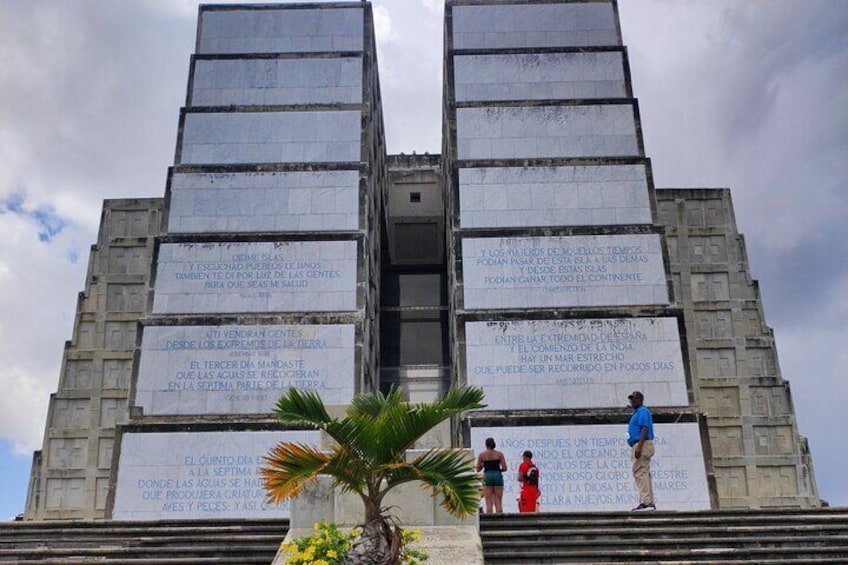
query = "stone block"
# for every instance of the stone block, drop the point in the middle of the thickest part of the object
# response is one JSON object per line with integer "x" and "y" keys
{"x": 731, "y": 482}
{"x": 546, "y": 131}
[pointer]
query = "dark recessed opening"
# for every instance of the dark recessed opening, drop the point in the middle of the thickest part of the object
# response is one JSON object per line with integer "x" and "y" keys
{"x": 415, "y": 197}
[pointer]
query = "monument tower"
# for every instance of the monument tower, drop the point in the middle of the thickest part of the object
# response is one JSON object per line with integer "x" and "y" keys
{"x": 530, "y": 259}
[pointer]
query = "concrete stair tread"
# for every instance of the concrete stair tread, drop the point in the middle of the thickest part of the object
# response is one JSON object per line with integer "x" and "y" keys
{"x": 512, "y": 560}
{"x": 129, "y": 560}
{"x": 526, "y": 540}
{"x": 665, "y": 553}
{"x": 141, "y": 541}
{"x": 629, "y": 531}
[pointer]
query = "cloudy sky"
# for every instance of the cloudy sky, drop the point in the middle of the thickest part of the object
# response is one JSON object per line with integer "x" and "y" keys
{"x": 748, "y": 95}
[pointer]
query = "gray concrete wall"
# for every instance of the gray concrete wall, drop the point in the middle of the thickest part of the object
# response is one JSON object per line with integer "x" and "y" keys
{"x": 70, "y": 475}
{"x": 759, "y": 457}
{"x": 553, "y": 250}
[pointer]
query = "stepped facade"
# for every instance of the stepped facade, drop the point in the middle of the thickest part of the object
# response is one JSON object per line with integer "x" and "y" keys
{"x": 534, "y": 258}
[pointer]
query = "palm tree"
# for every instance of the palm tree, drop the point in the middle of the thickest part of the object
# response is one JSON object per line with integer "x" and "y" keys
{"x": 369, "y": 458}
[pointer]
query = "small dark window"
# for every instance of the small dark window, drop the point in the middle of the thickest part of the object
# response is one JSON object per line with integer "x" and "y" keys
{"x": 415, "y": 197}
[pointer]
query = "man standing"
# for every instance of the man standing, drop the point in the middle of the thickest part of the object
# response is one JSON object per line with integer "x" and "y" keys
{"x": 528, "y": 476}
{"x": 641, "y": 441}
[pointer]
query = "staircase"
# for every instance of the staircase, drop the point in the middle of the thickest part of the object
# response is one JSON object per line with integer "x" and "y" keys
{"x": 721, "y": 537}
{"x": 236, "y": 542}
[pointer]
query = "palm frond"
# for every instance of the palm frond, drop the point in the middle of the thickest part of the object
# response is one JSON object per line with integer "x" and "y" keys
{"x": 289, "y": 467}
{"x": 302, "y": 408}
{"x": 374, "y": 403}
{"x": 348, "y": 471}
{"x": 450, "y": 472}
{"x": 405, "y": 426}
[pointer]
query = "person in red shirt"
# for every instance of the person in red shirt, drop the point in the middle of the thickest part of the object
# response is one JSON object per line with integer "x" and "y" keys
{"x": 528, "y": 476}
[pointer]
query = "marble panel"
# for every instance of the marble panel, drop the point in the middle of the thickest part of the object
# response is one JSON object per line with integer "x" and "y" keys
{"x": 538, "y": 272}
{"x": 504, "y": 197}
{"x": 576, "y": 363}
{"x": 197, "y": 475}
{"x": 266, "y": 82}
{"x": 242, "y": 369}
{"x": 587, "y": 468}
{"x": 280, "y": 30}
{"x": 539, "y": 76}
{"x": 256, "y": 277}
{"x": 264, "y": 202}
{"x": 271, "y": 137}
{"x": 516, "y": 132}
{"x": 534, "y": 25}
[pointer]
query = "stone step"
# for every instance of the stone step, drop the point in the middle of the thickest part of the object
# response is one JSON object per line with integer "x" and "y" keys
{"x": 726, "y": 555}
{"x": 650, "y": 542}
{"x": 698, "y": 561}
{"x": 719, "y": 517}
{"x": 626, "y": 533}
{"x": 231, "y": 542}
{"x": 130, "y": 560}
{"x": 668, "y": 538}
{"x": 145, "y": 539}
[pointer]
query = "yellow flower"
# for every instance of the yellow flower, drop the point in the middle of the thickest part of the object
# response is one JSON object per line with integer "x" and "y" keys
{"x": 332, "y": 554}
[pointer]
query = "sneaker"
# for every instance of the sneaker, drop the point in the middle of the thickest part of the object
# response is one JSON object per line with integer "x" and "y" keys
{"x": 644, "y": 507}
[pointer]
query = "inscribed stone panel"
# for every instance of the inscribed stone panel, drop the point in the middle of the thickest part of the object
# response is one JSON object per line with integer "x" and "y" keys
{"x": 539, "y": 76}
{"x": 714, "y": 324}
{"x": 78, "y": 374}
{"x": 113, "y": 411}
{"x": 85, "y": 335}
{"x": 129, "y": 223}
{"x": 128, "y": 260}
{"x": 105, "y": 447}
{"x": 65, "y": 494}
{"x": 761, "y": 362}
{"x": 197, "y": 475}
{"x": 120, "y": 335}
{"x": 721, "y": 401}
{"x": 716, "y": 362}
{"x": 753, "y": 322}
{"x": 726, "y": 441}
{"x": 587, "y": 468}
{"x": 596, "y": 270}
{"x": 553, "y": 196}
{"x": 271, "y": 137}
{"x": 242, "y": 369}
{"x": 575, "y": 363}
{"x": 710, "y": 287}
{"x": 116, "y": 373}
{"x": 708, "y": 249}
{"x": 71, "y": 413}
{"x": 68, "y": 453}
{"x": 292, "y": 276}
{"x": 667, "y": 214}
{"x": 268, "y": 82}
{"x": 101, "y": 492}
{"x": 280, "y": 30}
{"x": 731, "y": 482}
{"x": 673, "y": 255}
{"x": 125, "y": 298}
{"x": 516, "y": 132}
{"x": 773, "y": 440}
{"x": 534, "y": 25}
{"x": 693, "y": 211}
{"x": 777, "y": 480}
{"x": 264, "y": 202}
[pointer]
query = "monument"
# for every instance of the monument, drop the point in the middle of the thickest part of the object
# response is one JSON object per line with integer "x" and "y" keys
{"x": 534, "y": 258}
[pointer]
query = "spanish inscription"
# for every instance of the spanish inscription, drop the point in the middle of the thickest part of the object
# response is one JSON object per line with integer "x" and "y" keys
{"x": 241, "y": 369}
{"x": 594, "y": 363}
{"x": 599, "y": 270}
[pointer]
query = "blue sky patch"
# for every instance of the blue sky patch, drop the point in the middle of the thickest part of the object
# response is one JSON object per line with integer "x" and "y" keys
{"x": 49, "y": 223}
